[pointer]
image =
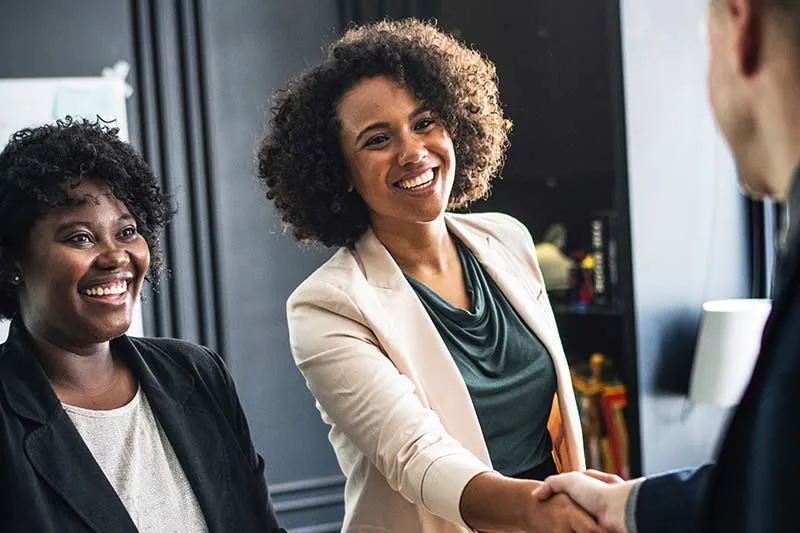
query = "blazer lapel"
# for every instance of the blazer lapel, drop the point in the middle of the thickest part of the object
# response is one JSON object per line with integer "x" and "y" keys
{"x": 60, "y": 456}
{"x": 530, "y": 300}
{"x": 191, "y": 431}
{"x": 412, "y": 342}
{"x": 54, "y": 447}
{"x": 527, "y": 297}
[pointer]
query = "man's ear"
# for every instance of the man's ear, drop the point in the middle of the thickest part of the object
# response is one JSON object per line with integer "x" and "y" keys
{"x": 746, "y": 18}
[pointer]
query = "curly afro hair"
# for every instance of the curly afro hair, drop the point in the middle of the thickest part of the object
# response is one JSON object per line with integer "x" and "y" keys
{"x": 300, "y": 159}
{"x": 40, "y": 166}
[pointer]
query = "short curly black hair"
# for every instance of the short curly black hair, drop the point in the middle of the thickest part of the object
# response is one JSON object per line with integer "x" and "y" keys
{"x": 300, "y": 159}
{"x": 40, "y": 166}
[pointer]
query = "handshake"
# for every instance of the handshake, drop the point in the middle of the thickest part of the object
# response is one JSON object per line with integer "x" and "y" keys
{"x": 603, "y": 496}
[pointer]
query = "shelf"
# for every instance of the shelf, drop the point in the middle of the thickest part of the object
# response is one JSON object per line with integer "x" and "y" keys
{"x": 589, "y": 310}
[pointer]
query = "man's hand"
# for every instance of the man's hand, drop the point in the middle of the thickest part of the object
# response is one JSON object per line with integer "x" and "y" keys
{"x": 602, "y": 495}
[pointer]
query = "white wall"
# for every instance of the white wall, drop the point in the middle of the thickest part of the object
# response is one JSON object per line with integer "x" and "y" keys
{"x": 687, "y": 217}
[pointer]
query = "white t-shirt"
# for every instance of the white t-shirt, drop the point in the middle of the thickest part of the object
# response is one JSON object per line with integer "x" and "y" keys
{"x": 132, "y": 450}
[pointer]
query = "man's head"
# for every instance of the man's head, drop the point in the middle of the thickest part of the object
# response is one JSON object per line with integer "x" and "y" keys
{"x": 754, "y": 86}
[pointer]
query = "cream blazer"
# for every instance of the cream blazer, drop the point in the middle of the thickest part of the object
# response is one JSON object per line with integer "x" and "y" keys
{"x": 402, "y": 422}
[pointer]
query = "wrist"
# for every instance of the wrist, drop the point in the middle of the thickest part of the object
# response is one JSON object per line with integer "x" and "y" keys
{"x": 629, "y": 512}
{"x": 615, "y": 513}
{"x": 495, "y": 502}
{"x": 528, "y": 509}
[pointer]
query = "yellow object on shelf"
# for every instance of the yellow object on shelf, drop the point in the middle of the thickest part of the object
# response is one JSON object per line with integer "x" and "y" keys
{"x": 601, "y": 400}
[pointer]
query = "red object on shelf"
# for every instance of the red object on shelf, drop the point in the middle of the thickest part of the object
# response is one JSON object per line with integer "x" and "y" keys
{"x": 586, "y": 289}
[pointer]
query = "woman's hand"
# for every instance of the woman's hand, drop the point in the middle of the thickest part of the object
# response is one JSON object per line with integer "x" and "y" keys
{"x": 558, "y": 514}
{"x": 603, "y": 495}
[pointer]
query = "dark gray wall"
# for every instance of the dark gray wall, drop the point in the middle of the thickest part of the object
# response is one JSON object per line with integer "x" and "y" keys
{"x": 49, "y": 38}
{"x": 687, "y": 222}
{"x": 202, "y": 73}
{"x": 251, "y": 48}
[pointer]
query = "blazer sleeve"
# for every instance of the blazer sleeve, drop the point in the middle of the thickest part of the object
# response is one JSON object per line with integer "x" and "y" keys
{"x": 673, "y": 501}
{"x": 238, "y": 421}
{"x": 360, "y": 391}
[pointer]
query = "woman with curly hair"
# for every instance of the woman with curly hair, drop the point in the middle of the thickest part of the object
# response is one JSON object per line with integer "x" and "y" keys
{"x": 427, "y": 340}
{"x": 99, "y": 431}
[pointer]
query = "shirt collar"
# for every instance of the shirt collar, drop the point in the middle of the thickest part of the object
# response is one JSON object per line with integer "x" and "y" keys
{"x": 793, "y": 202}
{"x": 791, "y": 226}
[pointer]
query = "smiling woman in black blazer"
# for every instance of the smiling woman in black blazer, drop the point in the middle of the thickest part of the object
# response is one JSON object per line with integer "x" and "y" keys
{"x": 99, "y": 431}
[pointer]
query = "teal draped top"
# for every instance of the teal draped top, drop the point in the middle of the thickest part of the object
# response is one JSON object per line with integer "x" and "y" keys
{"x": 507, "y": 370}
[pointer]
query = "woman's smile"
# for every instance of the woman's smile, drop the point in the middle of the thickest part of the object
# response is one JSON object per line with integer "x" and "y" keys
{"x": 108, "y": 292}
{"x": 419, "y": 185}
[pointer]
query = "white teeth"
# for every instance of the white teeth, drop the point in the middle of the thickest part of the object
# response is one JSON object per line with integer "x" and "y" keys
{"x": 117, "y": 287}
{"x": 412, "y": 183}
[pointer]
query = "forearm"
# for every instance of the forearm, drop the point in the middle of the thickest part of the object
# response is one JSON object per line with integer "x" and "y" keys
{"x": 493, "y": 502}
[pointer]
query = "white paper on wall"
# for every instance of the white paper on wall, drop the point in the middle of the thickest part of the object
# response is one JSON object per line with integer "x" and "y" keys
{"x": 28, "y": 102}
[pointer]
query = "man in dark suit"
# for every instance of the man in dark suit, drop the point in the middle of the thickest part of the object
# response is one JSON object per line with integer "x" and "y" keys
{"x": 754, "y": 84}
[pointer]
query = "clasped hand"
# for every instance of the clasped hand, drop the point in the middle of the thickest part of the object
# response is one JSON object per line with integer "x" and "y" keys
{"x": 601, "y": 495}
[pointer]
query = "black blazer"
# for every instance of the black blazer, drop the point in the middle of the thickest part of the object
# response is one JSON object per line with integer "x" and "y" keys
{"x": 753, "y": 486}
{"x": 49, "y": 481}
